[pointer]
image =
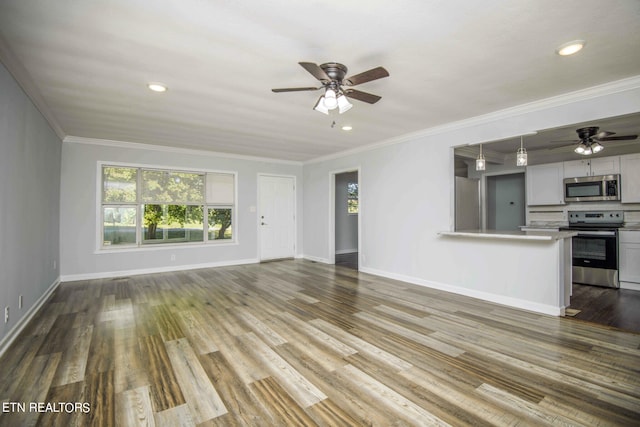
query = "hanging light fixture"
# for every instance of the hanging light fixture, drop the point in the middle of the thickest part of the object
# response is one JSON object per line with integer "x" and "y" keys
{"x": 480, "y": 161}
{"x": 521, "y": 155}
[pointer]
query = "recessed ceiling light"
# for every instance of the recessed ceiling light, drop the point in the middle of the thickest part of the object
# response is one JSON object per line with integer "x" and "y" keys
{"x": 570, "y": 48}
{"x": 157, "y": 87}
{"x": 347, "y": 127}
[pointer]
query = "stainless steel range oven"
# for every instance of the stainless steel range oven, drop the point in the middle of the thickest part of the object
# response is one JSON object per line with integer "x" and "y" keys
{"x": 595, "y": 248}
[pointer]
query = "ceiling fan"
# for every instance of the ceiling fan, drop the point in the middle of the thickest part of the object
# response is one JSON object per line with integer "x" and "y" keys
{"x": 337, "y": 87}
{"x": 590, "y": 139}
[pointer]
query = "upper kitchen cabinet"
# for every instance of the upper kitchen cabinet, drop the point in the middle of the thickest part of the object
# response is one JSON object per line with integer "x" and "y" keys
{"x": 544, "y": 184}
{"x": 592, "y": 167}
{"x": 630, "y": 178}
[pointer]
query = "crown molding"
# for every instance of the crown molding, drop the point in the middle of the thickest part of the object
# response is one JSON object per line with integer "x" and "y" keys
{"x": 70, "y": 139}
{"x": 24, "y": 80}
{"x": 609, "y": 88}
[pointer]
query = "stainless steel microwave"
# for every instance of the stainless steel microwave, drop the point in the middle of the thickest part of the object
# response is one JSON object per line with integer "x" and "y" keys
{"x": 592, "y": 188}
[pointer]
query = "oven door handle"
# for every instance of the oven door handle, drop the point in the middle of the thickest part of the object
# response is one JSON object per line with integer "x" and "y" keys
{"x": 596, "y": 233}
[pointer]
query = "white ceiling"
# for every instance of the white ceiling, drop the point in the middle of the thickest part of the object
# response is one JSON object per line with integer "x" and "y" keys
{"x": 89, "y": 62}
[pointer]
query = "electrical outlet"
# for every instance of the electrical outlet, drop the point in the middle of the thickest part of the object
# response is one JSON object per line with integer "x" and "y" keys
{"x": 6, "y": 314}
{"x": 173, "y": 257}
{"x": 20, "y": 301}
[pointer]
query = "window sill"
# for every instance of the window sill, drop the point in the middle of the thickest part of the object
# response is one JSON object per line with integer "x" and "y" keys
{"x": 161, "y": 246}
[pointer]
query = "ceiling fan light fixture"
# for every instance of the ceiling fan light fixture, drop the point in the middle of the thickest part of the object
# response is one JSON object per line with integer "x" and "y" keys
{"x": 596, "y": 147}
{"x": 343, "y": 104}
{"x": 330, "y": 100}
{"x": 570, "y": 48}
{"x": 580, "y": 149}
{"x": 320, "y": 106}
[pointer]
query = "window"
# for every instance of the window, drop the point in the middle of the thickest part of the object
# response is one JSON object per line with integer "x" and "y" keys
{"x": 352, "y": 198}
{"x": 145, "y": 206}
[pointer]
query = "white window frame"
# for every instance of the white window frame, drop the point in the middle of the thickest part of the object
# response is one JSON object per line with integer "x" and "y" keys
{"x": 141, "y": 244}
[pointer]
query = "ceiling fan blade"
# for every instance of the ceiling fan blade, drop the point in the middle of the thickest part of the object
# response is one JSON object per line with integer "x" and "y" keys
{"x": 618, "y": 138}
{"x": 562, "y": 147}
{"x": 603, "y": 134}
{"x": 367, "y": 76}
{"x": 362, "y": 96}
{"x": 294, "y": 89}
{"x": 315, "y": 71}
{"x": 565, "y": 141}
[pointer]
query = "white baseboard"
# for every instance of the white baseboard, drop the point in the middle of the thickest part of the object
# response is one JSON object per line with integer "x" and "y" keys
{"x": 8, "y": 339}
{"x": 346, "y": 251}
{"x": 630, "y": 285}
{"x": 317, "y": 259}
{"x": 486, "y": 296}
{"x": 121, "y": 273}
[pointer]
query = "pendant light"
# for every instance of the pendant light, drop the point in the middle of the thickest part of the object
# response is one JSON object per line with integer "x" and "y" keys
{"x": 480, "y": 161}
{"x": 521, "y": 155}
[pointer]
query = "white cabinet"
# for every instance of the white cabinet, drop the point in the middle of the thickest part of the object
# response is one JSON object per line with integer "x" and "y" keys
{"x": 592, "y": 166}
{"x": 630, "y": 178}
{"x": 629, "y": 257}
{"x": 544, "y": 184}
{"x": 575, "y": 168}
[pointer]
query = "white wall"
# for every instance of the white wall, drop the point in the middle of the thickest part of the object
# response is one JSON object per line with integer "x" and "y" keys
{"x": 407, "y": 198}
{"x": 29, "y": 207}
{"x": 346, "y": 224}
{"x": 78, "y": 225}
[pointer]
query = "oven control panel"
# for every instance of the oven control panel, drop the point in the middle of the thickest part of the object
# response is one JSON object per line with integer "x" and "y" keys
{"x": 596, "y": 217}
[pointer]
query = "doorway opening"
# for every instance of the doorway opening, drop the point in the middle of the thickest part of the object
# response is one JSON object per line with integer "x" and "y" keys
{"x": 505, "y": 207}
{"x": 346, "y": 218}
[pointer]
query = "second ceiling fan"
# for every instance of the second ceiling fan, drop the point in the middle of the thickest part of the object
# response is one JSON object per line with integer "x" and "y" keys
{"x": 332, "y": 76}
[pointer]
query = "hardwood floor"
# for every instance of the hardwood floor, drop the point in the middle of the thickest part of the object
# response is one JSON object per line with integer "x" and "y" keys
{"x": 300, "y": 343}
{"x": 607, "y": 306}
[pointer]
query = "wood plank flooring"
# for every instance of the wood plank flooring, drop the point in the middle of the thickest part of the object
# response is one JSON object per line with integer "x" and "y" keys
{"x": 300, "y": 343}
{"x": 607, "y": 306}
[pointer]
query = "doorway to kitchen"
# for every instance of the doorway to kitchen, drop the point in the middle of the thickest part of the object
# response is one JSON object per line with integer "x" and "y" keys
{"x": 505, "y": 201}
{"x": 346, "y": 218}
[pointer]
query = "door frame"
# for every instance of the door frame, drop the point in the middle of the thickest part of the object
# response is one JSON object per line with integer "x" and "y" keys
{"x": 332, "y": 213}
{"x": 484, "y": 219}
{"x": 295, "y": 212}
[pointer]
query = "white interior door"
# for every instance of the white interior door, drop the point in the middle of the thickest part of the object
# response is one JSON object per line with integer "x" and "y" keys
{"x": 276, "y": 216}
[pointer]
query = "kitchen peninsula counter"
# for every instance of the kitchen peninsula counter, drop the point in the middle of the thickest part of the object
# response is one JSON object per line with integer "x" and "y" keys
{"x": 531, "y": 270}
{"x": 537, "y": 235}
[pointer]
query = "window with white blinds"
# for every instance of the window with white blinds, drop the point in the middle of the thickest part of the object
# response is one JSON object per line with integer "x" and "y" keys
{"x": 146, "y": 206}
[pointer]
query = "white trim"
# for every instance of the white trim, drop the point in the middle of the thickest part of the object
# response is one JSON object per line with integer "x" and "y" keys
{"x": 175, "y": 150}
{"x": 485, "y": 296}
{"x": 24, "y": 80}
{"x": 530, "y": 107}
{"x": 332, "y": 212}
{"x": 121, "y": 273}
{"x": 346, "y": 251}
{"x": 630, "y": 285}
{"x": 10, "y": 337}
{"x": 313, "y": 258}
